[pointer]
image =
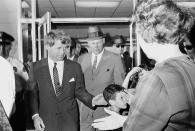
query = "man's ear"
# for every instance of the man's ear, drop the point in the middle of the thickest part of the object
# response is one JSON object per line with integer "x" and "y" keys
{"x": 47, "y": 46}
{"x": 112, "y": 102}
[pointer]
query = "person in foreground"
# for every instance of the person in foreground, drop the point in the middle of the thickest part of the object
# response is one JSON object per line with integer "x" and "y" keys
{"x": 165, "y": 96}
{"x": 54, "y": 85}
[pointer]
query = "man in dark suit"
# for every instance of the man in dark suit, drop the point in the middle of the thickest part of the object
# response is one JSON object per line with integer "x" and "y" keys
{"x": 54, "y": 85}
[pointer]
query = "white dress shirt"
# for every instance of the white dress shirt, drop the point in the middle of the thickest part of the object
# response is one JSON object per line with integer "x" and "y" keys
{"x": 71, "y": 58}
{"x": 60, "y": 68}
{"x": 99, "y": 56}
{"x": 7, "y": 85}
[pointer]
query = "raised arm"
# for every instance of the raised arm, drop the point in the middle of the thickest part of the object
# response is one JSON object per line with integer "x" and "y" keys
{"x": 130, "y": 75}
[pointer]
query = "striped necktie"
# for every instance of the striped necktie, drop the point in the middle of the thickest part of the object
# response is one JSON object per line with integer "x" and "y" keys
{"x": 56, "y": 81}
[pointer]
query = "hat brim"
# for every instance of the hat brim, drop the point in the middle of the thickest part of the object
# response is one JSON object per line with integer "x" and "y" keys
{"x": 95, "y": 38}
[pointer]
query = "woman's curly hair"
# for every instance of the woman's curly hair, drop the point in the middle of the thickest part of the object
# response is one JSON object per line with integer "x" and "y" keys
{"x": 162, "y": 21}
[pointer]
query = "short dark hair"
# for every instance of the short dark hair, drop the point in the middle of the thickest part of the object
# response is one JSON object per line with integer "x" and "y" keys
{"x": 73, "y": 44}
{"x": 162, "y": 21}
{"x": 110, "y": 91}
{"x": 57, "y": 35}
{"x": 119, "y": 37}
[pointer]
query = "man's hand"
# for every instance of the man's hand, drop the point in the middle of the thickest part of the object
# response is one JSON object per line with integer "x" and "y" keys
{"x": 111, "y": 122}
{"x": 128, "y": 95}
{"x": 99, "y": 100}
{"x": 38, "y": 123}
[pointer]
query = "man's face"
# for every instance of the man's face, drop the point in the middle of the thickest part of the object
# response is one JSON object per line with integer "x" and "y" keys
{"x": 67, "y": 50}
{"x": 57, "y": 51}
{"x": 78, "y": 49}
{"x": 118, "y": 44}
{"x": 190, "y": 50}
{"x": 119, "y": 101}
{"x": 96, "y": 45}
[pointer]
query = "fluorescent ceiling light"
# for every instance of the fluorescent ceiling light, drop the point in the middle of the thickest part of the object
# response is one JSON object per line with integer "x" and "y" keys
{"x": 187, "y": 4}
{"x": 97, "y": 3}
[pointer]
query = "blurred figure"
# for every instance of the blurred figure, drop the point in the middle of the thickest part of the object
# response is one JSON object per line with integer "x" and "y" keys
{"x": 119, "y": 43}
{"x": 100, "y": 68}
{"x": 78, "y": 48}
{"x": 7, "y": 82}
{"x": 72, "y": 50}
{"x": 189, "y": 45}
{"x": 165, "y": 96}
{"x": 127, "y": 61}
{"x": 17, "y": 119}
{"x": 83, "y": 51}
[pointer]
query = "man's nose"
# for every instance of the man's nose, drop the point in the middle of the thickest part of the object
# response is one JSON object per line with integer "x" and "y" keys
{"x": 96, "y": 44}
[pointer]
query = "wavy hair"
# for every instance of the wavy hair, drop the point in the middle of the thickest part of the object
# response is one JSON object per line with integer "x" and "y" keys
{"x": 54, "y": 35}
{"x": 162, "y": 21}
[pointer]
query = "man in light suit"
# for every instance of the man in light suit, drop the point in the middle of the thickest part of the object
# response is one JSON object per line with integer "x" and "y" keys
{"x": 100, "y": 68}
{"x": 54, "y": 85}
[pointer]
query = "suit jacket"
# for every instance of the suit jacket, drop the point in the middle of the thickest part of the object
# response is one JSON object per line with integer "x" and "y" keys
{"x": 58, "y": 113}
{"x": 109, "y": 70}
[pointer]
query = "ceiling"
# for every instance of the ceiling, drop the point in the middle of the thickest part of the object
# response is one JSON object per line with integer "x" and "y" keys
{"x": 69, "y": 9}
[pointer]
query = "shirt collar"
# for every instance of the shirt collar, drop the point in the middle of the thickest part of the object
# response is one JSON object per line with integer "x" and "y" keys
{"x": 51, "y": 62}
{"x": 98, "y": 55}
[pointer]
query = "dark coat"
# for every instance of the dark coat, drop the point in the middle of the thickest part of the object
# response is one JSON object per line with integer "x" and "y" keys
{"x": 58, "y": 113}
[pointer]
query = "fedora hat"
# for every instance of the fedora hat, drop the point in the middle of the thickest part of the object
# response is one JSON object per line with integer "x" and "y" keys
{"x": 94, "y": 32}
{"x": 5, "y": 38}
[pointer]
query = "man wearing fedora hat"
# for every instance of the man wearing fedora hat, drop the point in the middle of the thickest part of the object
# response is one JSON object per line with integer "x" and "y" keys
{"x": 100, "y": 68}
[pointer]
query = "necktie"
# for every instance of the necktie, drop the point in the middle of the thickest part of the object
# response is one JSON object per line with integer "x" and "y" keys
{"x": 94, "y": 66}
{"x": 95, "y": 62}
{"x": 56, "y": 80}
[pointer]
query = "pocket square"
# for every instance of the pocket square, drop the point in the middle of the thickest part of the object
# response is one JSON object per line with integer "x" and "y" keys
{"x": 72, "y": 79}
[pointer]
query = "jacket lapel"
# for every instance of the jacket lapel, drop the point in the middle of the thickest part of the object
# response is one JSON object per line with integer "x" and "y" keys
{"x": 48, "y": 77}
{"x": 102, "y": 61}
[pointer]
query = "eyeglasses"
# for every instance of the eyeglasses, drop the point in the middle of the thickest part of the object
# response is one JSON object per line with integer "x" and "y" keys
{"x": 119, "y": 45}
{"x": 188, "y": 47}
{"x": 66, "y": 41}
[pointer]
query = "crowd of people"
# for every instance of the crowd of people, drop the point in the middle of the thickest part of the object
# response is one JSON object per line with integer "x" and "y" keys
{"x": 74, "y": 89}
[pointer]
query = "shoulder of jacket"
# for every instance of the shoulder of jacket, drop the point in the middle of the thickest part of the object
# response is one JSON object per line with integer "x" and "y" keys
{"x": 83, "y": 57}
